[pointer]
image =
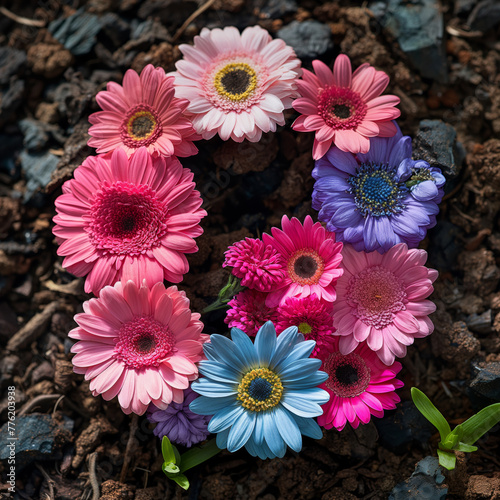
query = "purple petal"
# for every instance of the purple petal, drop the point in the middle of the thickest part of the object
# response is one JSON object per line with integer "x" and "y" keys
{"x": 424, "y": 191}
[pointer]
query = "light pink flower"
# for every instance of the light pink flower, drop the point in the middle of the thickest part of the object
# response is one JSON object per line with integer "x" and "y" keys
{"x": 260, "y": 267}
{"x": 144, "y": 112}
{"x": 139, "y": 344}
{"x": 360, "y": 386}
{"x": 248, "y": 312}
{"x": 344, "y": 108}
{"x": 381, "y": 299}
{"x": 312, "y": 316}
{"x": 126, "y": 218}
{"x": 237, "y": 84}
{"x": 312, "y": 260}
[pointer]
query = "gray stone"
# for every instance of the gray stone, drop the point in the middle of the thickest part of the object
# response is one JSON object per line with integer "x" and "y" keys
{"x": 309, "y": 39}
{"x": 484, "y": 387}
{"x": 486, "y": 15}
{"x": 276, "y": 9}
{"x": 12, "y": 62}
{"x": 35, "y": 135}
{"x": 38, "y": 168}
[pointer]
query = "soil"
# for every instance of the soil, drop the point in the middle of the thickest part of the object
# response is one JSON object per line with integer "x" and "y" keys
{"x": 246, "y": 189}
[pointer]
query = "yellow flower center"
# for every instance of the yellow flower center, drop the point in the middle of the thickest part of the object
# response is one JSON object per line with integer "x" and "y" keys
{"x": 236, "y": 81}
{"x": 260, "y": 389}
{"x": 141, "y": 125}
{"x": 305, "y": 328}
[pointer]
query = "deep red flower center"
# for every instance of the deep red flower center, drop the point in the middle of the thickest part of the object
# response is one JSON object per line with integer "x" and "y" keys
{"x": 141, "y": 126}
{"x": 305, "y": 266}
{"x": 349, "y": 375}
{"x": 341, "y": 108}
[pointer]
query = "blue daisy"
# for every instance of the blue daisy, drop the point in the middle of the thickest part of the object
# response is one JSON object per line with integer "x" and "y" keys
{"x": 262, "y": 396}
{"x": 378, "y": 199}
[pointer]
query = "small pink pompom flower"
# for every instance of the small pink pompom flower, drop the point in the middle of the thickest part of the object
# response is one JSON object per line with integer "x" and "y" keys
{"x": 312, "y": 316}
{"x": 237, "y": 84}
{"x": 260, "y": 267}
{"x": 344, "y": 108}
{"x": 381, "y": 300}
{"x": 126, "y": 218}
{"x": 360, "y": 386}
{"x": 142, "y": 113}
{"x": 312, "y": 260}
{"x": 139, "y": 344}
{"x": 248, "y": 312}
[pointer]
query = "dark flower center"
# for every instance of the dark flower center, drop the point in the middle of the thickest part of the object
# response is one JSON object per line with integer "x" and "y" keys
{"x": 342, "y": 110}
{"x": 142, "y": 126}
{"x": 305, "y": 266}
{"x": 260, "y": 389}
{"x": 145, "y": 344}
{"x": 349, "y": 375}
{"x": 346, "y": 374}
{"x": 236, "y": 81}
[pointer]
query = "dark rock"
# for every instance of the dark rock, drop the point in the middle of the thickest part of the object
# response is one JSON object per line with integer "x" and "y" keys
{"x": 486, "y": 15}
{"x": 355, "y": 444}
{"x": 462, "y": 6}
{"x": 484, "y": 387}
{"x": 402, "y": 427}
{"x": 436, "y": 143}
{"x": 77, "y": 32}
{"x": 44, "y": 371}
{"x": 8, "y": 321}
{"x": 480, "y": 323}
{"x": 426, "y": 482}
{"x": 276, "y": 9}
{"x": 10, "y": 100}
{"x": 9, "y": 366}
{"x": 115, "y": 29}
{"x": 172, "y": 13}
{"x": 12, "y": 62}
{"x": 443, "y": 248}
{"x": 309, "y": 39}
{"x": 418, "y": 27}
{"x": 38, "y": 169}
{"x": 35, "y": 135}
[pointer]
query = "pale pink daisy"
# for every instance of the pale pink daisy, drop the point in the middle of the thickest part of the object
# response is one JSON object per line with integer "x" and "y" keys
{"x": 312, "y": 260}
{"x": 139, "y": 344}
{"x": 144, "y": 112}
{"x": 237, "y": 84}
{"x": 344, "y": 108}
{"x": 248, "y": 312}
{"x": 126, "y": 218}
{"x": 360, "y": 386}
{"x": 260, "y": 267}
{"x": 381, "y": 299}
{"x": 312, "y": 316}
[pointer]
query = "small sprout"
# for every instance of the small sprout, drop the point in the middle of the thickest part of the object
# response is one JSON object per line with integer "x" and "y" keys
{"x": 232, "y": 288}
{"x": 463, "y": 436}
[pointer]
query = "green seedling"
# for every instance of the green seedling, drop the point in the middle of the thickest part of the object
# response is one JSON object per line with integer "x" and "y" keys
{"x": 232, "y": 288}
{"x": 463, "y": 436}
{"x": 175, "y": 464}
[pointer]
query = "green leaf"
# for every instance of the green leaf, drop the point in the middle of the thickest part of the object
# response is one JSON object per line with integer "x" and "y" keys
{"x": 168, "y": 451}
{"x": 196, "y": 456}
{"x": 447, "y": 459}
{"x": 430, "y": 412}
{"x": 170, "y": 468}
{"x": 465, "y": 447}
{"x": 182, "y": 481}
{"x": 452, "y": 439}
{"x": 480, "y": 423}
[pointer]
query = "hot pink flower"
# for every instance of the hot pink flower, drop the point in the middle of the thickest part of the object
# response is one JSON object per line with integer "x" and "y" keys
{"x": 122, "y": 219}
{"x": 360, "y": 386}
{"x": 237, "y": 85}
{"x": 259, "y": 266}
{"x": 312, "y": 260}
{"x": 381, "y": 299}
{"x": 248, "y": 312}
{"x": 313, "y": 318}
{"x": 344, "y": 108}
{"x": 144, "y": 112}
{"x": 138, "y": 344}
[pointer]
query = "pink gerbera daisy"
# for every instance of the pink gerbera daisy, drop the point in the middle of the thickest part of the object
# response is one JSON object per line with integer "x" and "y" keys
{"x": 259, "y": 266}
{"x": 312, "y": 260}
{"x": 360, "y": 386}
{"x": 126, "y": 218}
{"x": 381, "y": 299}
{"x": 248, "y": 312}
{"x": 138, "y": 344}
{"x": 237, "y": 85}
{"x": 144, "y": 112}
{"x": 344, "y": 108}
{"x": 312, "y": 316}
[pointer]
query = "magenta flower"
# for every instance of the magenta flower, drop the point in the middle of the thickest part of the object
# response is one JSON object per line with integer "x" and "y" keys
{"x": 128, "y": 218}
{"x": 237, "y": 84}
{"x": 139, "y": 344}
{"x": 381, "y": 299}
{"x": 344, "y": 108}
{"x": 142, "y": 113}
{"x": 360, "y": 386}
{"x": 312, "y": 260}
{"x": 312, "y": 316}
{"x": 248, "y": 312}
{"x": 259, "y": 266}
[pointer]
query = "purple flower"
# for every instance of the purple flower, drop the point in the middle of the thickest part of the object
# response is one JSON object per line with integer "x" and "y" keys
{"x": 377, "y": 199}
{"x": 179, "y": 423}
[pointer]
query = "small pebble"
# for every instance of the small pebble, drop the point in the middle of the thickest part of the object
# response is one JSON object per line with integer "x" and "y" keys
{"x": 310, "y": 39}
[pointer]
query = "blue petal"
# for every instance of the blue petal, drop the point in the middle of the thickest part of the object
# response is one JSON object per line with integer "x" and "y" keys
{"x": 424, "y": 191}
{"x": 312, "y": 381}
{"x": 297, "y": 370}
{"x": 342, "y": 160}
{"x": 400, "y": 151}
{"x": 301, "y": 351}
{"x": 219, "y": 372}
{"x": 208, "y": 388}
{"x": 225, "y": 418}
{"x": 308, "y": 427}
{"x": 300, "y": 406}
{"x": 265, "y": 343}
{"x": 384, "y": 233}
{"x": 347, "y": 217}
{"x": 371, "y": 243}
{"x": 271, "y": 434}
{"x": 314, "y": 394}
{"x": 209, "y": 406}
{"x": 258, "y": 433}
{"x": 285, "y": 343}
{"x": 332, "y": 183}
{"x": 221, "y": 439}
{"x": 288, "y": 429}
{"x": 226, "y": 352}
{"x": 246, "y": 347}
{"x": 262, "y": 451}
{"x": 241, "y": 431}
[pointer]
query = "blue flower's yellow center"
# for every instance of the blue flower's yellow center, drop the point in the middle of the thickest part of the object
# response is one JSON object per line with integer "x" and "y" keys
{"x": 305, "y": 328}
{"x": 419, "y": 175}
{"x": 236, "y": 81}
{"x": 260, "y": 389}
{"x": 376, "y": 191}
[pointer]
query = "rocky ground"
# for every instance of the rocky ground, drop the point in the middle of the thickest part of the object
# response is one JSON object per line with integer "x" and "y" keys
{"x": 444, "y": 62}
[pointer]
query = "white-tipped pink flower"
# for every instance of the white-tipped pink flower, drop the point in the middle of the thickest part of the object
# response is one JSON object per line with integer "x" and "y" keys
{"x": 144, "y": 112}
{"x": 139, "y": 344}
{"x": 344, "y": 108}
{"x": 381, "y": 299}
{"x": 237, "y": 84}
{"x": 126, "y": 218}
